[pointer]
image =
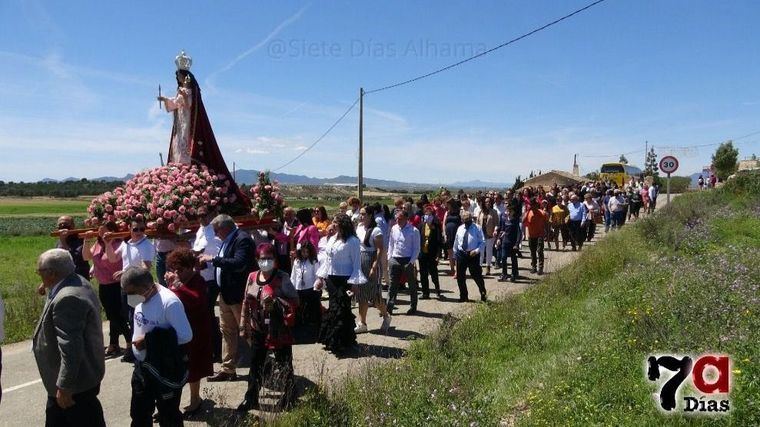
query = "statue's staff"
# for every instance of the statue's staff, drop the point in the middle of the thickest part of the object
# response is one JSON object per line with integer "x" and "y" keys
{"x": 159, "y": 97}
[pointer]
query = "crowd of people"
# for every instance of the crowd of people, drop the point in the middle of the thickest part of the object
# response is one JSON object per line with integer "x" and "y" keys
{"x": 269, "y": 284}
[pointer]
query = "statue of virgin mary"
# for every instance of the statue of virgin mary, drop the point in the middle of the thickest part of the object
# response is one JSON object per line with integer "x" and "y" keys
{"x": 192, "y": 139}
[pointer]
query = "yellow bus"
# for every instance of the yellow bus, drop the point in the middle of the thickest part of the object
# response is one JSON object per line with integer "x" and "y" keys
{"x": 614, "y": 172}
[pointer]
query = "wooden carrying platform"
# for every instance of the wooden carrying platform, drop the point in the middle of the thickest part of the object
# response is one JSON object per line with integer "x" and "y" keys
{"x": 245, "y": 222}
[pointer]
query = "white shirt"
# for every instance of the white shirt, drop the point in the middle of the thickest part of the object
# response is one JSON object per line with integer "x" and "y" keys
{"x": 475, "y": 239}
{"x": 164, "y": 245}
{"x": 304, "y": 274}
{"x": 162, "y": 310}
{"x": 207, "y": 241}
{"x": 361, "y": 233}
{"x": 404, "y": 242}
{"x": 343, "y": 259}
{"x": 617, "y": 204}
{"x": 136, "y": 253}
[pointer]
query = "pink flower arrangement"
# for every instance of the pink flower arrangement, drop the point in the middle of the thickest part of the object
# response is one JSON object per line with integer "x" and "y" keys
{"x": 167, "y": 196}
{"x": 267, "y": 198}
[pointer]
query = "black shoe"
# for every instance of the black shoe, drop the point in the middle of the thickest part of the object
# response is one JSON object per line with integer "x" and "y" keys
{"x": 222, "y": 376}
{"x": 425, "y": 296}
{"x": 464, "y": 300}
{"x": 533, "y": 270}
{"x": 129, "y": 356}
{"x": 248, "y": 404}
{"x": 513, "y": 279}
{"x": 190, "y": 413}
{"x": 411, "y": 311}
{"x": 540, "y": 271}
{"x": 483, "y": 297}
{"x": 502, "y": 278}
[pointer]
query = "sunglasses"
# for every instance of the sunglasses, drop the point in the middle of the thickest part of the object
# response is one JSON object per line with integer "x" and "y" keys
{"x": 138, "y": 229}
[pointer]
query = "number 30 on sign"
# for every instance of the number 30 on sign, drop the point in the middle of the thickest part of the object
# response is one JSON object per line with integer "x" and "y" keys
{"x": 668, "y": 164}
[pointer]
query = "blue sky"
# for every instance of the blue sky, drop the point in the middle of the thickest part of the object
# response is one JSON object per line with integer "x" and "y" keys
{"x": 78, "y": 82}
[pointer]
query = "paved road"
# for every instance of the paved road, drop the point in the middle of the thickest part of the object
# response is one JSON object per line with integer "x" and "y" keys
{"x": 24, "y": 397}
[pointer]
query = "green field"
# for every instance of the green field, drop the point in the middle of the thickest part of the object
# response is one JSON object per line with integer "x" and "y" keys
{"x": 42, "y": 206}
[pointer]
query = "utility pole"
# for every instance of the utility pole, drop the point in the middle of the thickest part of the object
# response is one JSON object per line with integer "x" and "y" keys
{"x": 361, "y": 144}
{"x": 646, "y": 153}
{"x": 161, "y": 157}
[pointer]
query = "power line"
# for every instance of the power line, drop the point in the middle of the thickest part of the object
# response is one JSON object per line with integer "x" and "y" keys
{"x": 321, "y": 137}
{"x": 528, "y": 34}
{"x": 456, "y": 64}
{"x": 611, "y": 155}
{"x": 673, "y": 147}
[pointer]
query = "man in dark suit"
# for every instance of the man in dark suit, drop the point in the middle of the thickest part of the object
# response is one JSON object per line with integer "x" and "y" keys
{"x": 431, "y": 241}
{"x": 68, "y": 344}
{"x": 232, "y": 266}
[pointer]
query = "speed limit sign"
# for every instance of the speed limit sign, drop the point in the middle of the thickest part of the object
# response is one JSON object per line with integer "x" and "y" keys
{"x": 668, "y": 164}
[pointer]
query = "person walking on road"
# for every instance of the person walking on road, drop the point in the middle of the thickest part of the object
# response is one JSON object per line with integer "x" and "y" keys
{"x": 372, "y": 251}
{"x": 109, "y": 289}
{"x": 403, "y": 251}
{"x": 577, "y": 214}
{"x": 161, "y": 332}
{"x": 68, "y": 344}
{"x": 431, "y": 241}
{"x": 268, "y": 316}
{"x": 488, "y": 220}
{"x": 509, "y": 233}
{"x": 468, "y": 244}
{"x": 536, "y": 223}
{"x": 232, "y": 265}
{"x": 340, "y": 271}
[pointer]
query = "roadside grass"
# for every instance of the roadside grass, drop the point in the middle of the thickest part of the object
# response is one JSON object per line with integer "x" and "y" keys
{"x": 18, "y": 284}
{"x": 572, "y": 351}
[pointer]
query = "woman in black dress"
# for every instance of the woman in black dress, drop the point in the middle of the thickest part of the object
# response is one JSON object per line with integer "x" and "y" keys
{"x": 340, "y": 271}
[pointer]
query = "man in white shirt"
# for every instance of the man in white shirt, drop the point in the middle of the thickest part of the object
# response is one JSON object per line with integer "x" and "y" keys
{"x": 138, "y": 251}
{"x": 468, "y": 244}
{"x": 403, "y": 251}
{"x": 207, "y": 243}
{"x": 153, "y": 382}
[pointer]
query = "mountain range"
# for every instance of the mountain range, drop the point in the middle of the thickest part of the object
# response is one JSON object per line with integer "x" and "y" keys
{"x": 246, "y": 176}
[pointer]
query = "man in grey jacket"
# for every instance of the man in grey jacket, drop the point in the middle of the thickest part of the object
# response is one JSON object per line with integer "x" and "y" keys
{"x": 68, "y": 344}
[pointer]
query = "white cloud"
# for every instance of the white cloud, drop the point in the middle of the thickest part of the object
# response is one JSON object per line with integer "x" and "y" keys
{"x": 272, "y": 34}
{"x": 251, "y": 151}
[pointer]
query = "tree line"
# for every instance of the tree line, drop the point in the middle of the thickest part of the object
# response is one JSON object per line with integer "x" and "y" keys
{"x": 82, "y": 187}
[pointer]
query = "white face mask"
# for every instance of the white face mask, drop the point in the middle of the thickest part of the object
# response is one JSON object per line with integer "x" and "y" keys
{"x": 266, "y": 265}
{"x": 133, "y": 300}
